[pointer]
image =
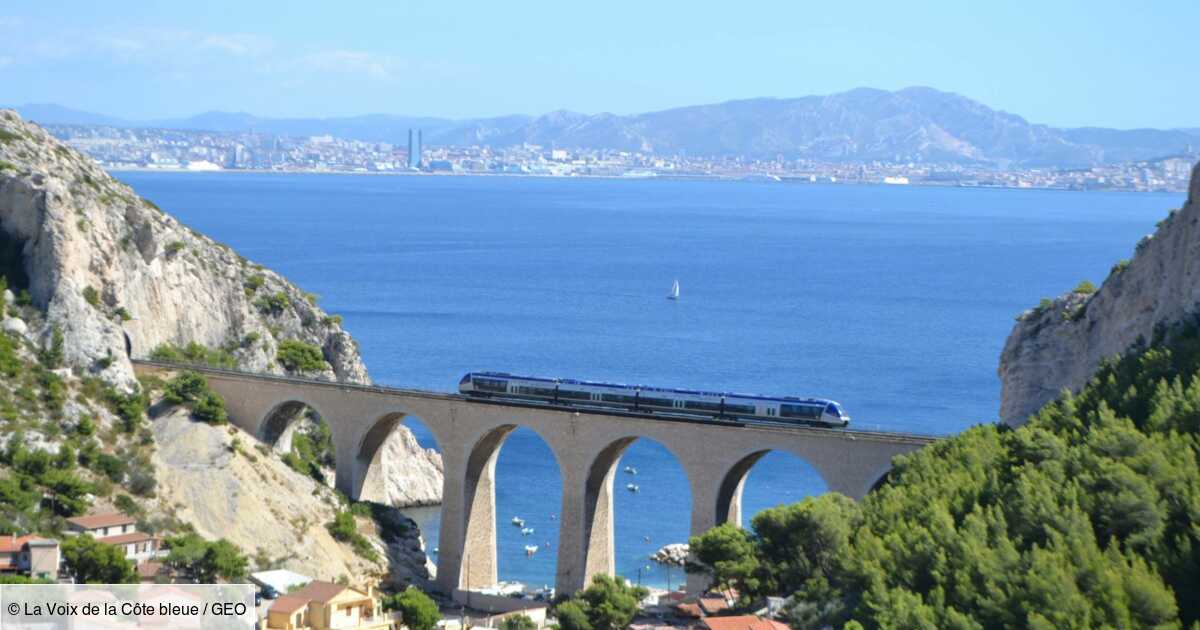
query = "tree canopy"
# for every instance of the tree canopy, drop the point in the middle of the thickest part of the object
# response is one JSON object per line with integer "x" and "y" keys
{"x": 417, "y": 609}
{"x": 609, "y": 603}
{"x": 1084, "y": 517}
{"x": 93, "y": 562}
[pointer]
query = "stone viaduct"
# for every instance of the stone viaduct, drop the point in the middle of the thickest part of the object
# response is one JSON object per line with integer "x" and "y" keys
{"x": 587, "y": 446}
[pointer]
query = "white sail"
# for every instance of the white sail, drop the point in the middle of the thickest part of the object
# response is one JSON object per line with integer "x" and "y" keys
{"x": 674, "y": 294}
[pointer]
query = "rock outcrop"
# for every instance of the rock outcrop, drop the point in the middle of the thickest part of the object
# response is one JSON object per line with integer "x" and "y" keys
{"x": 674, "y": 554}
{"x": 215, "y": 479}
{"x": 119, "y": 277}
{"x": 1059, "y": 344}
{"x": 108, "y": 276}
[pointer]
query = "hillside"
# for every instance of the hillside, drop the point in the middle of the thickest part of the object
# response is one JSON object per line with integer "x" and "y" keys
{"x": 1060, "y": 343}
{"x": 1082, "y": 512}
{"x": 914, "y": 124}
{"x": 94, "y": 275}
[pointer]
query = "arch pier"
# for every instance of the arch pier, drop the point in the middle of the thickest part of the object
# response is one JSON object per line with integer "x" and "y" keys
{"x": 716, "y": 459}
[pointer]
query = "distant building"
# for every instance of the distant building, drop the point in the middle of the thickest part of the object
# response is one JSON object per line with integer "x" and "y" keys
{"x": 34, "y": 556}
{"x": 118, "y": 530}
{"x": 742, "y": 622}
{"x": 322, "y": 605}
{"x": 414, "y": 149}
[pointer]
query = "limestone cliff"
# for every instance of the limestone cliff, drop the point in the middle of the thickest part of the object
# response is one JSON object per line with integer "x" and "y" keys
{"x": 1059, "y": 344}
{"x": 117, "y": 277}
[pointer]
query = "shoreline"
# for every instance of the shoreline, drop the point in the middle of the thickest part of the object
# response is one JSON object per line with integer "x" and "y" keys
{"x": 765, "y": 179}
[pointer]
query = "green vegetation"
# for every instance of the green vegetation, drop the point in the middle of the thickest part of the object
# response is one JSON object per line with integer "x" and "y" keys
{"x": 191, "y": 390}
{"x": 206, "y": 561}
{"x": 344, "y": 528}
{"x": 9, "y": 166}
{"x": 194, "y": 353}
{"x": 1084, "y": 517}
{"x": 250, "y": 339}
{"x": 92, "y": 562}
{"x": 517, "y": 622}
{"x": 122, "y": 313}
{"x": 312, "y": 449}
{"x": 7, "y": 136}
{"x": 92, "y": 296}
{"x": 174, "y": 247}
{"x": 1085, "y": 287}
{"x": 608, "y": 604}
{"x": 1121, "y": 266}
{"x": 298, "y": 356}
{"x": 332, "y": 320}
{"x": 254, "y": 283}
{"x": 273, "y": 304}
{"x": 52, "y": 357}
{"x": 418, "y": 611}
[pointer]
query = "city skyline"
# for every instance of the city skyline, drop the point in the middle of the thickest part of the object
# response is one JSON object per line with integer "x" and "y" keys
{"x": 1077, "y": 65}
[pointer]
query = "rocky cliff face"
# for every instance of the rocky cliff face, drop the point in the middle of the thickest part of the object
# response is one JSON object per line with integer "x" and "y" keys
{"x": 120, "y": 277}
{"x": 1058, "y": 345}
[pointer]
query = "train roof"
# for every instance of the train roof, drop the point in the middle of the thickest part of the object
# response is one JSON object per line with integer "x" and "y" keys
{"x": 646, "y": 388}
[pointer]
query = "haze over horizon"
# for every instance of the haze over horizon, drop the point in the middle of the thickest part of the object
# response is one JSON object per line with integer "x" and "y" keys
{"x": 1066, "y": 65}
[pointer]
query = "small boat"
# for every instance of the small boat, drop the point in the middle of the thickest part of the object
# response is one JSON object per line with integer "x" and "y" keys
{"x": 518, "y": 521}
{"x": 674, "y": 294}
{"x": 631, "y": 470}
{"x": 632, "y": 487}
{"x": 530, "y": 549}
{"x": 525, "y": 531}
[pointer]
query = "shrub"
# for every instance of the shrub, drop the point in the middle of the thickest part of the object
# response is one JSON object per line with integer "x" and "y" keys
{"x": 298, "y": 356}
{"x": 273, "y": 304}
{"x": 332, "y": 320}
{"x": 250, "y": 339}
{"x": 112, "y": 466}
{"x": 194, "y": 353}
{"x": 1085, "y": 287}
{"x": 343, "y": 528}
{"x": 52, "y": 357}
{"x": 417, "y": 610}
{"x": 92, "y": 296}
{"x": 190, "y": 389}
{"x": 518, "y": 622}
{"x": 174, "y": 247}
{"x": 122, "y": 313}
{"x": 254, "y": 283}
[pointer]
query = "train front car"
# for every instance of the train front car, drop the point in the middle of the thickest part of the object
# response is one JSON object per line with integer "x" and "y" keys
{"x": 834, "y": 415}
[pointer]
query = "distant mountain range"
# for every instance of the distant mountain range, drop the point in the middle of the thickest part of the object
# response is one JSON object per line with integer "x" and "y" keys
{"x": 913, "y": 124}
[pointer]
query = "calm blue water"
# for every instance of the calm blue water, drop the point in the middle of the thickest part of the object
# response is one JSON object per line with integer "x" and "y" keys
{"x": 894, "y": 300}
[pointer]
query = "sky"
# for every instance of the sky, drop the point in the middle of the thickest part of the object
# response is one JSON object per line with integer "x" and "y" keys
{"x": 1063, "y": 63}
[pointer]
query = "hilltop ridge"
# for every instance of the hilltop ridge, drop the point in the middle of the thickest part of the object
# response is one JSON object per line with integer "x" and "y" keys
{"x": 919, "y": 124}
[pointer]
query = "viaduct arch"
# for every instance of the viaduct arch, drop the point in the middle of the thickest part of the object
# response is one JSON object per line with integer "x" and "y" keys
{"x": 716, "y": 459}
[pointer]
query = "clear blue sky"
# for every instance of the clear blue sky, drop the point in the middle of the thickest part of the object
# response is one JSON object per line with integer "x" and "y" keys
{"x": 1063, "y": 63}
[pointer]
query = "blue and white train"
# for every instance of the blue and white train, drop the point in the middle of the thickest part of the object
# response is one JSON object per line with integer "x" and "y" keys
{"x": 642, "y": 399}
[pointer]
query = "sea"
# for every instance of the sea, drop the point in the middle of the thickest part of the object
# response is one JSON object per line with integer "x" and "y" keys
{"x": 893, "y": 300}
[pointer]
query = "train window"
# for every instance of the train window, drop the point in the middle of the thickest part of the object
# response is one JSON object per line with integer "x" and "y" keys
{"x": 702, "y": 406}
{"x": 742, "y": 409}
{"x": 656, "y": 402}
{"x": 618, "y": 398}
{"x": 810, "y": 412}
{"x": 542, "y": 392}
{"x": 574, "y": 395}
{"x": 833, "y": 410}
{"x": 491, "y": 385}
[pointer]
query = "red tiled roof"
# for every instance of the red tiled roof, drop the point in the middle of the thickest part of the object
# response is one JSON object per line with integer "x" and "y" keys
{"x": 689, "y": 609}
{"x": 94, "y": 521}
{"x": 125, "y": 539}
{"x": 8, "y": 544}
{"x": 712, "y": 605}
{"x": 288, "y": 604}
{"x": 743, "y": 622}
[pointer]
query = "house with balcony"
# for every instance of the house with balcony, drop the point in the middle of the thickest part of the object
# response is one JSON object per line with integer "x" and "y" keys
{"x": 119, "y": 530}
{"x": 30, "y": 555}
{"x": 328, "y": 606}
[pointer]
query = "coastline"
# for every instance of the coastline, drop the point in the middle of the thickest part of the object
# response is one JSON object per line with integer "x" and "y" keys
{"x": 656, "y": 177}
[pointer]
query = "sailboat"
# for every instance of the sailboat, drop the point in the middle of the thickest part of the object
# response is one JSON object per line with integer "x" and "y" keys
{"x": 674, "y": 294}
